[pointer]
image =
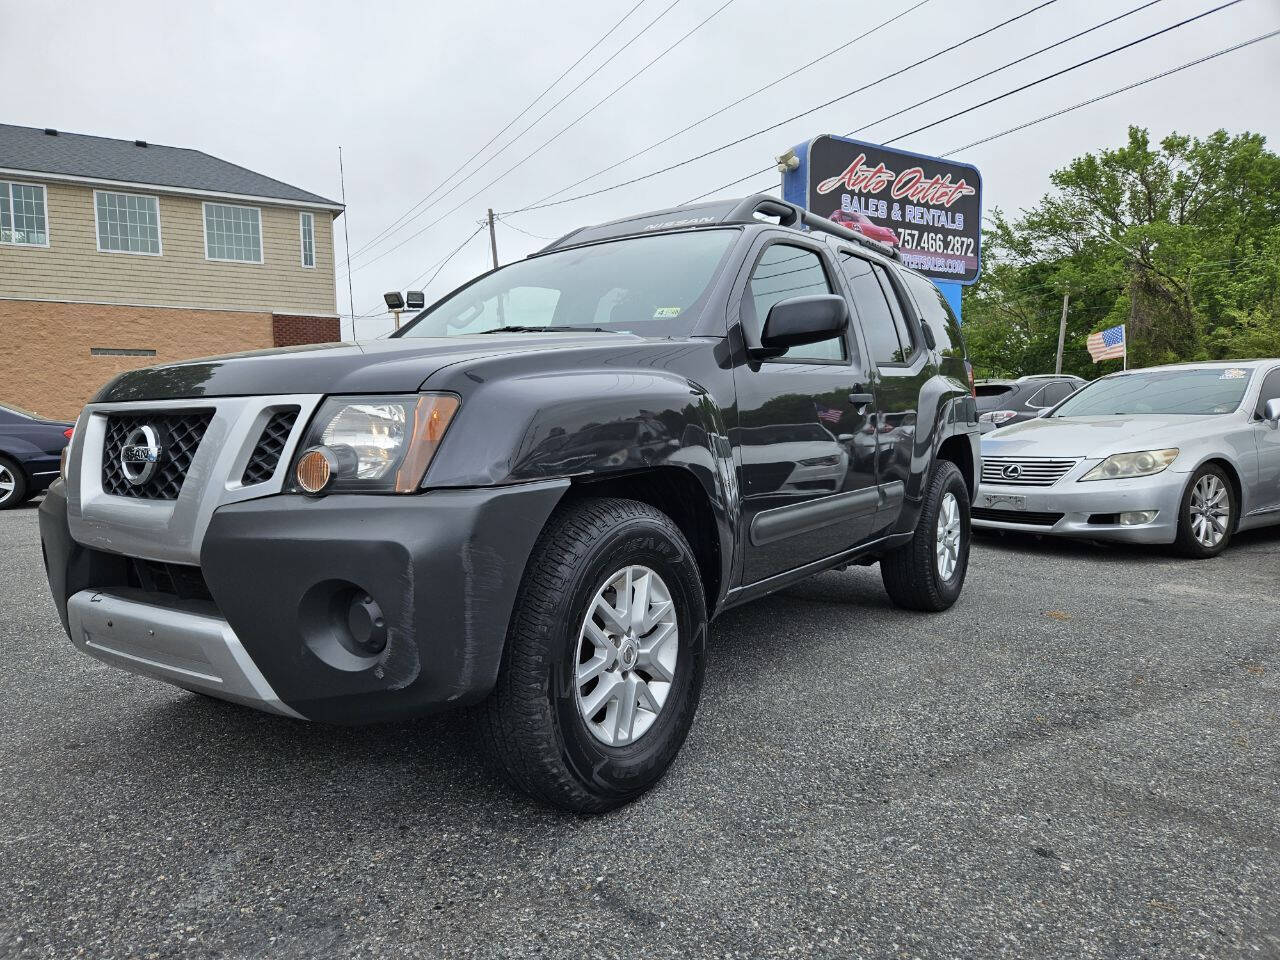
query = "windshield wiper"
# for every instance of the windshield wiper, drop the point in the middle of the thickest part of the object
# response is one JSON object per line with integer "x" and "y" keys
{"x": 569, "y": 329}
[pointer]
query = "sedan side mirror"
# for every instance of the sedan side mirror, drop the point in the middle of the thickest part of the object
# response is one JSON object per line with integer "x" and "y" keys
{"x": 1271, "y": 412}
{"x": 801, "y": 320}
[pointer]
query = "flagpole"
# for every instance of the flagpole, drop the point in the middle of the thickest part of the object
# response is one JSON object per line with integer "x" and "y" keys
{"x": 1124, "y": 327}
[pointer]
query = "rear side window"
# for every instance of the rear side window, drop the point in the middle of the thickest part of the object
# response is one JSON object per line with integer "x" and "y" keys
{"x": 937, "y": 313}
{"x": 992, "y": 389}
{"x": 782, "y": 273}
{"x": 1055, "y": 393}
{"x": 874, "y": 312}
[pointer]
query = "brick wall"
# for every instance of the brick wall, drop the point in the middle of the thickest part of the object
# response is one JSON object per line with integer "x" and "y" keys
{"x": 291, "y": 331}
{"x": 46, "y": 360}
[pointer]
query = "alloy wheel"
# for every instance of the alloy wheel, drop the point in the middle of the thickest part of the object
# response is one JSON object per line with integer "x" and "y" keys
{"x": 8, "y": 483}
{"x": 948, "y": 537}
{"x": 1210, "y": 510}
{"x": 627, "y": 653}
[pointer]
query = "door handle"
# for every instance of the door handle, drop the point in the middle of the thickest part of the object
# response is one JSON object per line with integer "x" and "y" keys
{"x": 861, "y": 399}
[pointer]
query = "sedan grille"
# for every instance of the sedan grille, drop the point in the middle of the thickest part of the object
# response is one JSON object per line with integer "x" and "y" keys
{"x": 177, "y": 434}
{"x": 1025, "y": 471}
{"x": 266, "y": 454}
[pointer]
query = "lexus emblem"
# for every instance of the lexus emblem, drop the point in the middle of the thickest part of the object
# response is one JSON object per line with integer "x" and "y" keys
{"x": 140, "y": 455}
{"x": 1011, "y": 471}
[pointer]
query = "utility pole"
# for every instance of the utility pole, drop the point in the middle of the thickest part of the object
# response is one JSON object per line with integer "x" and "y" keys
{"x": 493, "y": 240}
{"x": 1062, "y": 330}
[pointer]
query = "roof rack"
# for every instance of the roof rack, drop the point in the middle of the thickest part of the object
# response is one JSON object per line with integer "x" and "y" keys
{"x": 750, "y": 209}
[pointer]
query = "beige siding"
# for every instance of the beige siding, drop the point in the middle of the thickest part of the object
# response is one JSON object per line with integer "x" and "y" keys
{"x": 71, "y": 268}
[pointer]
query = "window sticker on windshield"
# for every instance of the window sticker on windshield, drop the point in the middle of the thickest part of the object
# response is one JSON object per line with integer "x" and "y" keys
{"x": 1233, "y": 374}
{"x": 666, "y": 313}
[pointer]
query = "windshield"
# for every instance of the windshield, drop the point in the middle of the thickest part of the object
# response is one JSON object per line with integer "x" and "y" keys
{"x": 650, "y": 286}
{"x": 1203, "y": 392}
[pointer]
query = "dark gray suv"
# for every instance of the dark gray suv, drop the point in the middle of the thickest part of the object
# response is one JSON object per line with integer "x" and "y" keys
{"x": 1002, "y": 402}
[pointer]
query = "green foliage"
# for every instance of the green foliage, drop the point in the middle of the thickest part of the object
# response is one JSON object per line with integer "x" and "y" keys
{"x": 1181, "y": 242}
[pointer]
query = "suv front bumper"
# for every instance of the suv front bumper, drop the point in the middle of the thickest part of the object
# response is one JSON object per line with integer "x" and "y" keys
{"x": 442, "y": 567}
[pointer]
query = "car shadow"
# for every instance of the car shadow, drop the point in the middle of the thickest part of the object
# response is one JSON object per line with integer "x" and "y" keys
{"x": 1017, "y": 541}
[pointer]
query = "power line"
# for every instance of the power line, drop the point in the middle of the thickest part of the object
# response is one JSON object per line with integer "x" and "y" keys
{"x": 548, "y": 142}
{"x": 608, "y": 33}
{"x": 793, "y": 117}
{"x": 539, "y": 118}
{"x": 1012, "y": 92}
{"x": 535, "y": 236}
{"x": 1112, "y": 93}
{"x": 735, "y": 103}
{"x": 441, "y": 265}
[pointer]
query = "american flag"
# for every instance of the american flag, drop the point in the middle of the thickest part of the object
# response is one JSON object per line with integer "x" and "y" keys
{"x": 829, "y": 414}
{"x": 1107, "y": 344}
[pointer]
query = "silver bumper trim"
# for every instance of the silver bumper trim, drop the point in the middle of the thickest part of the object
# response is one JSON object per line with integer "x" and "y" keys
{"x": 185, "y": 644}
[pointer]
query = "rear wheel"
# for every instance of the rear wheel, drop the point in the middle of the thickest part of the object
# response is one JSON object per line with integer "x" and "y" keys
{"x": 927, "y": 572}
{"x": 1207, "y": 515}
{"x": 13, "y": 484}
{"x": 604, "y": 658}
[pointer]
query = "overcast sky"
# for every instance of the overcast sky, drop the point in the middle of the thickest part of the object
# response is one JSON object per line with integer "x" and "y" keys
{"x": 411, "y": 89}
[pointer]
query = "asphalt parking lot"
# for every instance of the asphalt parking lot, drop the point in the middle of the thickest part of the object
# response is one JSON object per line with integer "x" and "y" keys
{"x": 1081, "y": 759}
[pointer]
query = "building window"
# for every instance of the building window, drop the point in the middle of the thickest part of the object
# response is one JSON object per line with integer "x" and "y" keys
{"x": 24, "y": 215}
{"x": 232, "y": 233}
{"x": 307, "y": 225}
{"x": 127, "y": 223}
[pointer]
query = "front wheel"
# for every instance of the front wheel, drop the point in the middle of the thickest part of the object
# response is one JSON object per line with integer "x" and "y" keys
{"x": 604, "y": 658}
{"x": 927, "y": 572}
{"x": 1207, "y": 514}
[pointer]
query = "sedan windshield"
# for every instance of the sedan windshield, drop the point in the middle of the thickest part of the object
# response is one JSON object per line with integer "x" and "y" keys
{"x": 651, "y": 286}
{"x": 1202, "y": 392}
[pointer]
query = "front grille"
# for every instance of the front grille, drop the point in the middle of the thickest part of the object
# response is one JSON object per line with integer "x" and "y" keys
{"x": 1029, "y": 517}
{"x": 1028, "y": 471}
{"x": 172, "y": 579}
{"x": 266, "y": 454}
{"x": 178, "y": 435}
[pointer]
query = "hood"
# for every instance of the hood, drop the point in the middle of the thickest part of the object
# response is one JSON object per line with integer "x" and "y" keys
{"x": 381, "y": 366}
{"x": 1088, "y": 437}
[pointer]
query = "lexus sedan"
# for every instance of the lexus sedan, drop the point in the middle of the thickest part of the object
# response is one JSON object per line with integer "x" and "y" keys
{"x": 30, "y": 453}
{"x": 1185, "y": 454}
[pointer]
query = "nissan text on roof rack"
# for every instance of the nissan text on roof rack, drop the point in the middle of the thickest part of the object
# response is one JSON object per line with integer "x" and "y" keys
{"x": 1185, "y": 454}
{"x": 535, "y": 495}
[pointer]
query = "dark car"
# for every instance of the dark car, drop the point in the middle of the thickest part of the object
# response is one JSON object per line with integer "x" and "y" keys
{"x": 1002, "y": 402}
{"x": 536, "y": 495}
{"x": 30, "y": 451}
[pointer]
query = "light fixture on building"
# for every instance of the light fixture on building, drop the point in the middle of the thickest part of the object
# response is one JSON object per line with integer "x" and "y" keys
{"x": 788, "y": 162}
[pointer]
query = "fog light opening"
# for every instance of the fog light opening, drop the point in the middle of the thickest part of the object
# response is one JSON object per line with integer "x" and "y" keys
{"x": 1136, "y": 518}
{"x": 343, "y": 625}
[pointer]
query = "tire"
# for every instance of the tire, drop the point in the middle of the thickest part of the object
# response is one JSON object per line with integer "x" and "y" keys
{"x": 13, "y": 484}
{"x": 914, "y": 574}
{"x": 536, "y": 723}
{"x": 1194, "y": 539}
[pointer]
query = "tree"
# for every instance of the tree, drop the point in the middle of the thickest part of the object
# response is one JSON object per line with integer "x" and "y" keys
{"x": 1180, "y": 242}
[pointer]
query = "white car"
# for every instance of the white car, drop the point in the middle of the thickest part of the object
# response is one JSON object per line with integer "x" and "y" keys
{"x": 1184, "y": 454}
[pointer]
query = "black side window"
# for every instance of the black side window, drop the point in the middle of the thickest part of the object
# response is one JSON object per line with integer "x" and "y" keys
{"x": 937, "y": 314}
{"x": 1055, "y": 393}
{"x": 874, "y": 312}
{"x": 905, "y": 336}
{"x": 784, "y": 272}
{"x": 1270, "y": 390}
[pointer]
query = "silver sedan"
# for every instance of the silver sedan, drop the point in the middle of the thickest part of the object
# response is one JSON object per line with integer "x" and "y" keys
{"x": 1185, "y": 454}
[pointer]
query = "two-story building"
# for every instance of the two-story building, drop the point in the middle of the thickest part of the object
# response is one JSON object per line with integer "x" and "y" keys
{"x": 116, "y": 254}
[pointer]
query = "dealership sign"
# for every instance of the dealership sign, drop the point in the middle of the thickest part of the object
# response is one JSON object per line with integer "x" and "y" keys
{"x": 930, "y": 209}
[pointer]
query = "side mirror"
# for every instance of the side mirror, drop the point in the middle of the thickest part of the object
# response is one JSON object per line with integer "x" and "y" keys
{"x": 1271, "y": 412}
{"x": 801, "y": 320}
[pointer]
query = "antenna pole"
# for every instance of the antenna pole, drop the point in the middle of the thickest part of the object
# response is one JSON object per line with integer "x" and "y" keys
{"x": 346, "y": 234}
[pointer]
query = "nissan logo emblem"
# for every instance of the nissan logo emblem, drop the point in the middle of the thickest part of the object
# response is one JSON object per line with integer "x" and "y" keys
{"x": 1011, "y": 471}
{"x": 140, "y": 455}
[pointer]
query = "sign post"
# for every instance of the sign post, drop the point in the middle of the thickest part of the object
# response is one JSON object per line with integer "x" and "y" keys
{"x": 927, "y": 207}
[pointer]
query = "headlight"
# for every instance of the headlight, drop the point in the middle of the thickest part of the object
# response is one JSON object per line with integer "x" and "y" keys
{"x": 1144, "y": 463}
{"x": 372, "y": 444}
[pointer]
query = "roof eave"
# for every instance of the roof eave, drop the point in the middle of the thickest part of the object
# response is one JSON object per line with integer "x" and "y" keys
{"x": 319, "y": 203}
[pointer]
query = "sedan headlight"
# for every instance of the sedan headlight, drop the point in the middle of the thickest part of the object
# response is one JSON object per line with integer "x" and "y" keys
{"x": 372, "y": 444}
{"x": 1143, "y": 463}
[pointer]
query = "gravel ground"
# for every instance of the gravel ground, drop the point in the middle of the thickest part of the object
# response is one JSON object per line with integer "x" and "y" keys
{"x": 1081, "y": 759}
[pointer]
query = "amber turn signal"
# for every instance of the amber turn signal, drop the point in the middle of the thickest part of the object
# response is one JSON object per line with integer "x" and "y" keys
{"x": 314, "y": 470}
